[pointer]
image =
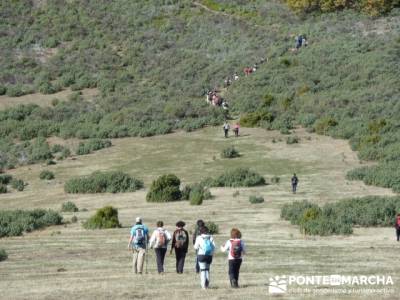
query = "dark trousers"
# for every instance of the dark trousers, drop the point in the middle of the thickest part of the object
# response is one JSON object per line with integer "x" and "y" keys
{"x": 236, "y": 132}
{"x": 226, "y": 132}
{"x": 234, "y": 267}
{"x": 294, "y": 188}
{"x": 197, "y": 265}
{"x": 398, "y": 233}
{"x": 180, "y": 260}
{"x": 160, "y": 255}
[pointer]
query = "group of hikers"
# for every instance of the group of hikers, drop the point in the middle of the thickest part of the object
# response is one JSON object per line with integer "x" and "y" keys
{"x": 203, "y": 245}
{"x": 300, "y": 41}
{"x": 226, "y": 127}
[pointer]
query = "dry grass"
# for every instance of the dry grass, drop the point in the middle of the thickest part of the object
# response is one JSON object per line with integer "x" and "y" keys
{"x": 69, "y": 262}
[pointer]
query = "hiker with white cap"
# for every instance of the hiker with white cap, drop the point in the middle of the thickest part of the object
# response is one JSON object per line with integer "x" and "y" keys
{"x": 138, "y": 245}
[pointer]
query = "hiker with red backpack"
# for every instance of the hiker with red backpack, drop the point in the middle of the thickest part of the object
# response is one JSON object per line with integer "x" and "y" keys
{"x": 138, "y": 245}
{"x": 204, "y": 246}
{"x": 397, "y": 226}
{"x": 180, "y": 243}
{"x": 235, "y": 248}
{"x": 159, "y": 241}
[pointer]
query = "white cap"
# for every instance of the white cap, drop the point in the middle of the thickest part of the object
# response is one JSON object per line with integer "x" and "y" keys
{"x": 138, "y": 219}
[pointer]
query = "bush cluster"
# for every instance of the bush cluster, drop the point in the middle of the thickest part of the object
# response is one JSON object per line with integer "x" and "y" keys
{"x": 16, "y": 222}
{"x": 340, "y": 217}
{"x": 106, "y": 217}
{"x": 102, "y": 182}
{"x": 46, "y": 175}
{"x": 18, "y": 184}
{"x": 256, "y": 199}
{"x": 69, "y": 206}
{"x": 165, "y": 189}
{"x": 239, "y": 177}
{"x": 229, "y": 152}
{"x": 92, "y": 145}
{"x": 212, "y": 227}
{"x": 3, "y": 254}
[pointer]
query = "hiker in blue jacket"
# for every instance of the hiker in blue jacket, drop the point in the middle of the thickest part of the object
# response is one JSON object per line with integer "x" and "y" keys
{"x": 138, "y": 245}
{"x": 204, "y": 246}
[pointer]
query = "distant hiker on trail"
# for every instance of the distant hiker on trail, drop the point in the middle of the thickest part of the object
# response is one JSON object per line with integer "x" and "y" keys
{"x": 397, "y": 226}
{"x": 235, "y": 76}
{"x": 295, "y": 181}
{"x": 226, "y": 128}
{"x": 255, "y": 67}
{"x": 247, "y": 71}
{"x": 138, "y": 245}
{"x": 227, "y": 82}
{"x": 180, "y": 243}
{"x": 299, "y": 42}
{"x": 159, "y": 241}
{"x": 236, "y": 248}
{"x": 304, "y": 41}
{"x": 196, "y": 233}
{"x": 236, "y": 129}
{"x": 225, "y": 105}
{"x": 205, "y": 247}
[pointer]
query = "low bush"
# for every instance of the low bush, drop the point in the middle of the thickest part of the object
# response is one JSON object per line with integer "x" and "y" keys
{"x": 229, "y": 152}
{"x": 18, "y": 184}
{"x": 240, "y": 177}
{"x": 340, "y": 217}
{"x": 92, "y": 145}
{"x": 74, "y": 219}
{"x": 69, "y": 207}
{"x": 3, "y": 255}
{"x": 275, "y": 179}
{"x": 212, "y": 227}
{"x": 3, "y": 189}
{"x": 5, "y": 179}
{"x": 196, "y": 195}
{"x": 101, "y": 182}
{"x": 256, "y": 199}
{"x": 106, "y": 217}
{"x": 16, "y": 222}
{"x": 165, "y": 189}
{"x": 46, "y": 175}
{"x": 254, "y": 119}
{"x": 292, "y": 140}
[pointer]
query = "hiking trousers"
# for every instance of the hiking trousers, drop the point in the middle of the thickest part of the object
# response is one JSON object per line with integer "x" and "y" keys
{"x": 138, "y": 260}
{"x": 234, "y": 267}
{"x": 160, "y": 256}
{"x": 204, "y": 263}
{"x": 180, "y": 260}
{"x": 294, "y": 188}
{"x": 398, "y": 233}
{"x": 226, "y": 132}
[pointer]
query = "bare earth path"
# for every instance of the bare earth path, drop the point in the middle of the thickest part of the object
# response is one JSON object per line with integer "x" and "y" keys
{"x": 68, "y": 262}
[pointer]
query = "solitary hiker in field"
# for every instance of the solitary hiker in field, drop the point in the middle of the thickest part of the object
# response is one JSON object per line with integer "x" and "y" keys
{"x": 235, "y": 248}
{"x": 159, "y": 241}
{"x": 226, "y": 128}
{"x": 138, "y": 245}
{"x": 180, "y": 243}
{"x": 205, "y": 249}
{"x": 295, "y": 181}
{"x": 397, "y": 226}
{"x": 196, "y": 233}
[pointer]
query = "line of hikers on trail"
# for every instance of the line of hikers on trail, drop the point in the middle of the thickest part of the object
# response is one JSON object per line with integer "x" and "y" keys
{"x": 203, "y": 244}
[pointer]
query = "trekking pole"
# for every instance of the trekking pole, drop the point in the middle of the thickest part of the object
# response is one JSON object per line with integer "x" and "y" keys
{"x": 147, "y": 256}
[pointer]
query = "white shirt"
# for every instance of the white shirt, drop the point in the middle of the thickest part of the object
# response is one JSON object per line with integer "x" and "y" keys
{"x": 228, "y": 246}
{"x": 199, "y": 242}
{"x": 154, "y": 238}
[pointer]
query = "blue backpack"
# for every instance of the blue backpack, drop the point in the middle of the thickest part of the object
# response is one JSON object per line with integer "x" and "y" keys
{"x": 140, "y": 237}
{"x": 208, "y": 247}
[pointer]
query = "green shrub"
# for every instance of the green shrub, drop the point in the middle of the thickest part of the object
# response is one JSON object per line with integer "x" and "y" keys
{"x": 50, "y": 162}
{"x": 254, "y": 119}
{"x": 322, "y": 125}
{"x": 275, "y": 179}
{"x": 3, "y": 90}
{"x": 16, "y": 222}
{"x": 3, "y": 188}
{"x": 196, "y": 195}
{"x": 92, "y": 145}
{"x": 292, "y": 140}
{"x": 3, "y": 255}
{"x": 5, "y": 179}
{"x": 74, "y": 219}
{"x": 212, "y": 227}
{"x": 18, "y": 184}
{"x": 256, "y": 199}
{"x": 236, "y": 178}
{"x": 106, "y": 217}
{"x": 101, "y": 182}
{"x": 69, "y": 207}
{"x": 229, "y": 152}
{"x": 46, "y": 175}
{"x": 165, "y": 189}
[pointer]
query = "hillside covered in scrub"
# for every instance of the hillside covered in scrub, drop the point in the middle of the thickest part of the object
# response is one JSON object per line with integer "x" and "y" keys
{"x": 153, "y": 61}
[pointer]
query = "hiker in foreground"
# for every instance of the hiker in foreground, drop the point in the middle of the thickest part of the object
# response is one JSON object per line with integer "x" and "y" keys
{"x": 205, "y": 249}
{"x": 159, "y": 241}
{"x": 180, "y": 243}
{"x": 236, "y": 248}
{"x": 138, "y": 245}
{"x": 196, "y": 233}
{"x": 295, "y": 181}
{"x": 226, "y": 128}
{"x": 397, "y": 226}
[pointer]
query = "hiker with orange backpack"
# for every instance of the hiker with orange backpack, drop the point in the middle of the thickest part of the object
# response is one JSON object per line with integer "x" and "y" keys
{"x": 159, "y": 241}
{"x": 235, "y": 248}
{"x": 180, "y": 243}
{"x": 397, "y": 226}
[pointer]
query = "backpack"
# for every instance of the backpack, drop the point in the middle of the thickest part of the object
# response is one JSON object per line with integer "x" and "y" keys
{"x": 140, "y": 239}
{"x": 208, "y": 246}
{"x": 236, "y": 248}
{"x": 180, "y": 238}
{"x": 161, "y": 240}
{"x": 398, "y": 222}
